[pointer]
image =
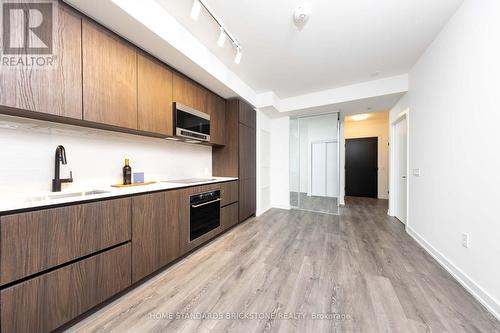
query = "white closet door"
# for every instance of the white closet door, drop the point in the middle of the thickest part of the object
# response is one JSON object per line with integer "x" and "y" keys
{"x": 318, "y": 169}
{"x": 401, "y": 147}
{"x": 331, "y": 169}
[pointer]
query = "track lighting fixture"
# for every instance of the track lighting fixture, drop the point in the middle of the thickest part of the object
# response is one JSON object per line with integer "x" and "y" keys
{"x": 198, "y": 5}
{"x": 222, "y": 37}
{"x": 239, "y": 54}
{"x": 195, "y": 11}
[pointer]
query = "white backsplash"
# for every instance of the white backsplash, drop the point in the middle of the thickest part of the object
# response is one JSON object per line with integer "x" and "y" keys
{"x": 95, "y": 157}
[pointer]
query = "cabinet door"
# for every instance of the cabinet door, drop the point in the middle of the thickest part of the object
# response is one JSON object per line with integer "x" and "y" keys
{"x": 189, "y": 93}
{"x": 247, "y": 152}
{"x": 156, "y": 222}
{"x": 247, "y": 114}
{"x": 247, "y": 199}
{"x": 56, "y": 90}
{"x": 154, "y": 93}
{"x": 36, "y": 241}
{"x": 216, "y": 108}
{"x": 109, "y": 78}
{"x": 42, "y": 304}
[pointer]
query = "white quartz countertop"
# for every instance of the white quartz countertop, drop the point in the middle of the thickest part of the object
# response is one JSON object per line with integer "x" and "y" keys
{"x": 43, "y": 199}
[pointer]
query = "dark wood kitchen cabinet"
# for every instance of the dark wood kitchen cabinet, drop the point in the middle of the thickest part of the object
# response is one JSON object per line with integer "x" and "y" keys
{"x": 189, "y": 93}
{"x": 229, "y": 193}
{"x": 216, "y": 108}
{"x": 229, "y": 216}
{"x": 154, "y": 94}
{"x": 44, "y": 303}
{"x": 156, "y": 227}
{"x": 109, "y": 77}
{"x": 36, "y": 241}
{"x": 54, "y": 90}
{"x": 238, "y": 157}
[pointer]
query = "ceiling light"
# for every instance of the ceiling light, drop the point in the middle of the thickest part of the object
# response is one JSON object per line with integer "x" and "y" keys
{"x": 222, "y": 37}
{"x": 359, "y": 117}
{"x": 239, "y": 54}
{"x": 195, "y": 11}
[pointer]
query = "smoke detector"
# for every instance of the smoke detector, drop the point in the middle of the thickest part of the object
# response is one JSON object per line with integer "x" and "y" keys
{"x": 301, "y": 14}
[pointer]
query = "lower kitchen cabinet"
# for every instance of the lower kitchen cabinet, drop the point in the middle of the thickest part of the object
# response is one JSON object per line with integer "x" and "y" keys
{"x": 156, "y": 222}
{"x": 229, "y": 193}
{"x": 247, "y": 198}
{"x": 33, "y": 242}
{"x": 229, "y": 216}
{"x": 48, "y": 301}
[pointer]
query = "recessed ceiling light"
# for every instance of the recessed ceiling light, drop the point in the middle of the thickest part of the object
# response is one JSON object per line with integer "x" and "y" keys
{"x": 359, "y": 117}
{"x": 195, "y": 11}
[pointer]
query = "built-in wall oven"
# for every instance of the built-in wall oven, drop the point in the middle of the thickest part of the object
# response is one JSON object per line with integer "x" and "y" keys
{"x": 204, "y": 213}
{"x": 190, "y": 123}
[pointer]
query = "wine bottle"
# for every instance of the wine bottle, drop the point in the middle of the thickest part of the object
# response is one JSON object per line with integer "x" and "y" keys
{"x": 127, "y": 173}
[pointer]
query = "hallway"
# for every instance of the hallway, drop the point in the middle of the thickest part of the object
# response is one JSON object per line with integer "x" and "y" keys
{"x": 357, "y": 272}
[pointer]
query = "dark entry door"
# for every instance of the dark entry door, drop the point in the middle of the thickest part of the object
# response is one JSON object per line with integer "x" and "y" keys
{"x": 361, "y": 167}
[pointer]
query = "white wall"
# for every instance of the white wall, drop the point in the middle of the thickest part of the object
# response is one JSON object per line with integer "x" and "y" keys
{"x": 280, "y": 187}
{"x": 96, "y": 157}
{"x": 273, "y": 168}
{"x": 374, "y": 128}
{"x": 263, "y": 162}
{"x": 454, "y": 119}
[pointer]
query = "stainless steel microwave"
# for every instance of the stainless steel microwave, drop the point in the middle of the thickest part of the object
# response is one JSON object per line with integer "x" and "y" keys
{"x": 190, "y": 123}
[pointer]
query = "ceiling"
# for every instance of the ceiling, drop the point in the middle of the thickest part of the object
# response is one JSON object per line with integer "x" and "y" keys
{"x": 344, "y": 42}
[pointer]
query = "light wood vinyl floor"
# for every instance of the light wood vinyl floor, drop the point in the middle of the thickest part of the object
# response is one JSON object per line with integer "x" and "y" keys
{"x": 358, "y": 272}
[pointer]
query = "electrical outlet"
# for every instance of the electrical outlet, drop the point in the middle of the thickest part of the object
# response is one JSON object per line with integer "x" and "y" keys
{"x": 465, "y": 240}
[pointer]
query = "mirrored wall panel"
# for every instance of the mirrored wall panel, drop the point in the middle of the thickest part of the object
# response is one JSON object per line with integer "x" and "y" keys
{"x": 314, "y": 163}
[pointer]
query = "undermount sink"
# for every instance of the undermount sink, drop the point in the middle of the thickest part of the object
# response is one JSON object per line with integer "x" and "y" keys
{"x": 64, "y": 195}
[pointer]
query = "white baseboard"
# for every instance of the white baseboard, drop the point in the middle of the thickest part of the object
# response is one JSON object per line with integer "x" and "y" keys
{"x": 287, "y": 207}
{"x": 472, "y": 287}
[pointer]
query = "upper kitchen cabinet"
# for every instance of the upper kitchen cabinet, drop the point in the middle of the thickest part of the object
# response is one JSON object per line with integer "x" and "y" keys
{"x": 189, "y": 93}
{"x": 109, "y": 78}
{"x": 216, "y": 108}
{"x": 246, "y": 114}
{"x": 54, "y": 89}
{"x": 154, "y": 93}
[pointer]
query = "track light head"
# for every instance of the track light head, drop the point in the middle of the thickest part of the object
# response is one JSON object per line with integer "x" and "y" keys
{"x": 195, "y": 11}
{"x": 222, "y": 37}
{"x": 239, "y": 54}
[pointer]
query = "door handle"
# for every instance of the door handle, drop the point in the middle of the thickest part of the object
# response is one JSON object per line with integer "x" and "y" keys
{"x": 205, "y": 203}
{"x": 404, "y": 177}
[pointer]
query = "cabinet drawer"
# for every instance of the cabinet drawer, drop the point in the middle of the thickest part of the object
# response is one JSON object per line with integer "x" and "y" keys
{"x": 229, "y": 193}
{"x": 229, "y": 216}
{"x": 36, "y": 241}
{"x": 48, "y": 301}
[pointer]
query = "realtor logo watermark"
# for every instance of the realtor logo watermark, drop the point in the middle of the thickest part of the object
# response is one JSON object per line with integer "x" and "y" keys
{"x": 28, "y": 36}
